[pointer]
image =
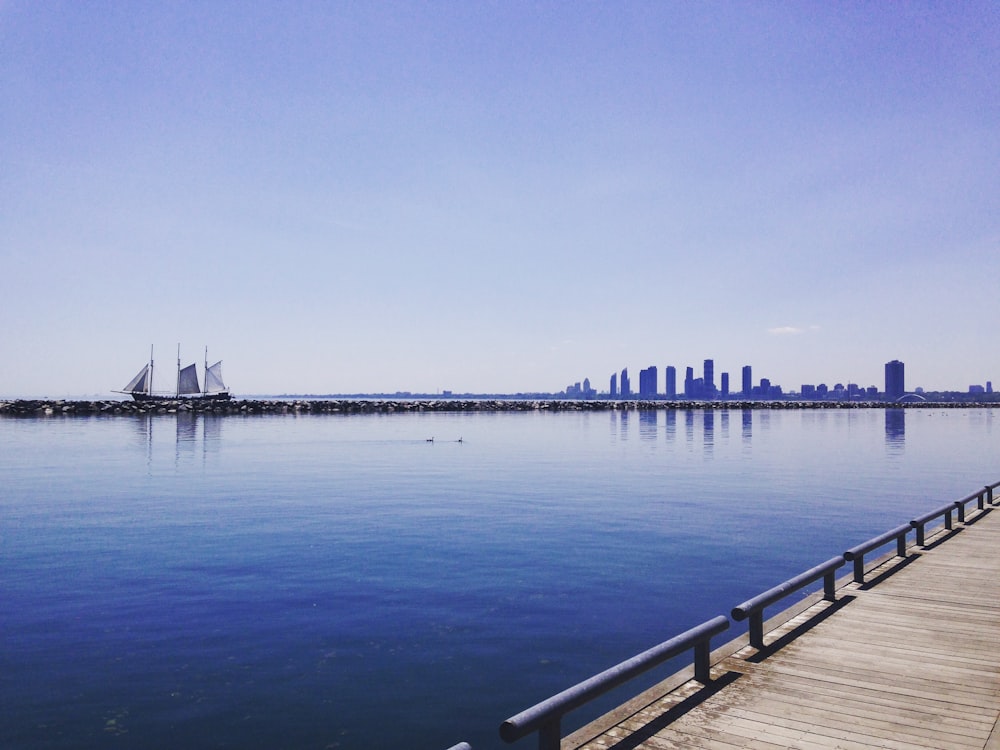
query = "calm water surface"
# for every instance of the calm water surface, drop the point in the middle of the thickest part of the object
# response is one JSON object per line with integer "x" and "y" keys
{"x": 341, "y": 582}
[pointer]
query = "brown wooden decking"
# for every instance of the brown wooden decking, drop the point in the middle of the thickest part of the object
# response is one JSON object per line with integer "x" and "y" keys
{"x": 910, "y": 659}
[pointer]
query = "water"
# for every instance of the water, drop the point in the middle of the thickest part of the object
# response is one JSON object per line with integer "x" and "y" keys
{"x": 342, "y": 582}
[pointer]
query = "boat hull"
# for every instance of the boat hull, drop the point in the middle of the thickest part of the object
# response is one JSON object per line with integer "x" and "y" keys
{"x": 146, "y": 397}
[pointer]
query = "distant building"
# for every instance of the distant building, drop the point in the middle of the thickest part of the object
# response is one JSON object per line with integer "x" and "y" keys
{"x": 725, "y": 385}
{"x": 581, "y": 391}
{"x": 709, "y": 375}
{"x": 670, "y": 376}
{"x": 747, "y": 381}
{"x": 698, "y": 388}
{"x": 614, "y": 385}
{"x": 989, "y": 386}
{"x": 689, "y": 382}
{"x": 894, "y": 386}
{"x": 976, "y": 389}
{"x": 647, "y": 382}
{"x": 625, "y": 385}
{"x": 808, "y": 391}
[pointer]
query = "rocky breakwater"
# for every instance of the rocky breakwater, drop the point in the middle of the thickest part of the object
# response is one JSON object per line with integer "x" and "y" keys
{"x": 46, "y": 407}
{"x": 51, "y": 408}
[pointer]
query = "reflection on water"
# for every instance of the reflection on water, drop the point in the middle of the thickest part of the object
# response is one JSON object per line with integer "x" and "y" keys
{"x": 706, "y": 427}
{"x": 895, "y": 429}
{"x": 197, "y": 434}
{"x": 708, "y": 430}
{"x": 187, "y": 429}
{"x": 647, "y": 424}
{"x": 192, "y": 434}
{"x": 153, "y": 580}
{"x": 707, "y": 420}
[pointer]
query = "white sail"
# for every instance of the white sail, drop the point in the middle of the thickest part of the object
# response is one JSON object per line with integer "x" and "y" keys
{"x": 213, "y": 378}
{"x": 187, "y": 381}
{"x": 140, "y": 383}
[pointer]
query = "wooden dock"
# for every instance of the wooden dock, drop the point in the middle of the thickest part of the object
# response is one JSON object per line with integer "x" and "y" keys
{"x": 908, "y": 659}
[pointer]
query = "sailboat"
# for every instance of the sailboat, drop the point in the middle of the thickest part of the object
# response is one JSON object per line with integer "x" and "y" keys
{"x": 141, "y": 386}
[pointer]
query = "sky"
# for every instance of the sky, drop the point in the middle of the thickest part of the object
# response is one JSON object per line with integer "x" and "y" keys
{"x": 497, "y": 197}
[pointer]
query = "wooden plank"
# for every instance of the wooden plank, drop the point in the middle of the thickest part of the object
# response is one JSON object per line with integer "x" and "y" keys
{"x": 912, "y": 661}
{"x": 881, "y": 700}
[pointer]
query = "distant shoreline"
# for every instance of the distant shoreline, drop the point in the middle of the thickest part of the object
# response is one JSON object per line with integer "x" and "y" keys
{"x": 59, "y": 407}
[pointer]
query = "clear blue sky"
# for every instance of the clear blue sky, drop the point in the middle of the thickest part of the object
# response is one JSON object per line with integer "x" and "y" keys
{"x": 503, "y": 196}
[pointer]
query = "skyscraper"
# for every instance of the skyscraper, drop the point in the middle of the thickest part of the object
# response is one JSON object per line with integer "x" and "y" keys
{"x": 614, "y": 385}
{"x": 709, "y": 378}
{"x": 626, "y": 387}
{"x": 671, "y": 378}
{"x": 647, "y": 382}
{"x": 724, "y": 388}
{"x": 747, "y": 381}
{"x": 894, "y": 387}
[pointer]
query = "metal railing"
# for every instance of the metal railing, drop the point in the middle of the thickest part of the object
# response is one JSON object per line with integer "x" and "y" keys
{"x": 989, "y": 491}
{"x": 983, "y": 496}
{"x": 754, "y": 608}
{"x": 545, "y": 717}
{"x": 857, "y": 553}
{"x": 921, "y": 521}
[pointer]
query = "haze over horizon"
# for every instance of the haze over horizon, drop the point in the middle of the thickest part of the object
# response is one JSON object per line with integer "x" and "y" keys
{"x": 497, "y": 198}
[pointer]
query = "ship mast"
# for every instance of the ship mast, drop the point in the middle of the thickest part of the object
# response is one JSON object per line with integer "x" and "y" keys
{"x": 149, "y": 383}
{"x": 177, "y": 390}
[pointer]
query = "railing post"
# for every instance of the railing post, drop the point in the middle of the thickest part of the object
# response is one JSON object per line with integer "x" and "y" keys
{"x": 550, "y": 735}
{"x": 757, "y": 629}
{"x": 947, "y": 519}
{"x": 989, "y": 494}
{"x": 830, "y": 587}
{"x": 960, "y": 507}
{"x": 920, "y": 535}
{"x": 702, "y": 667}
{"x": 901, "y": 545}
{"x": 979, "y": 500}
{"x": 859, "y": 569}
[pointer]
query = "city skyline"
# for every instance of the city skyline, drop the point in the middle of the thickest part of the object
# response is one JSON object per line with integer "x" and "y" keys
{"x": 704, "y": 388}
{"x": 376, "y": 197}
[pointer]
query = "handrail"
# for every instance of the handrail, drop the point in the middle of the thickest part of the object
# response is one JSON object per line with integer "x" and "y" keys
{"x": 978, "y": 496}
{"x": 754, "y": 608}
{"x": 989, "y": 491}
{"x": 545, "y": 717}
{"x": 920, "y": 521}
{"x": 857, "y": 553}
